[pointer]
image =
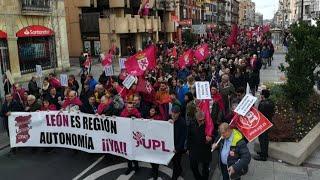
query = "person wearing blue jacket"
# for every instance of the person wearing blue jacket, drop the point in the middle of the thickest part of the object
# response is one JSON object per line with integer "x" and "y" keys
{"x": 183, "y": 74}
{"x": 180, "y": 135}
{"x": 91, "y": 82}
{"x": 181, "y": 91}
{"x": 264, "y": 56}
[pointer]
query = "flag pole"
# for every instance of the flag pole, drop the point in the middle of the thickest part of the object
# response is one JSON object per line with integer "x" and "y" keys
{"x": 221, "y": 136}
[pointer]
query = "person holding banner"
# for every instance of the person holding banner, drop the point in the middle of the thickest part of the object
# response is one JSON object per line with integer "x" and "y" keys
{"x": 131, "y": 112}
{"x": 9, "y": 105}
{"x": 267, "y": 108}
{"x": 233, "y": 152}
{"x": 154, "y": 114}
{"x": 46, "y": 106}
{"x": 90, "y": 106}
{"x": 180, "y": 135}
{"x": 33, "y": 105}
{"x": 72, "y": 102}
{"x": 199, "y": 149}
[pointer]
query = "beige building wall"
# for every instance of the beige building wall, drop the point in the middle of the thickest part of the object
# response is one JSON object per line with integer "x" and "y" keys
{"x": 73, "y": 26}
{"x": 117, "y": 24}
{"x": 11, "y": 21}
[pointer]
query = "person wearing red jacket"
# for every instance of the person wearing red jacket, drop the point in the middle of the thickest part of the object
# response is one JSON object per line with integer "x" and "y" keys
{"x": 131, "y": 112}
{"x": 154, "y": 114}
{"x": 72, "y": 102}
{"x": 106, "y": 106}
{"x": 46, "y": 106}
{"x": 54, "y": 82}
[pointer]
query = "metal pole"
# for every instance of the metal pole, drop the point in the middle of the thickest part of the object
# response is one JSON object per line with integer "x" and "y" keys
{"x": 301, "y": 11}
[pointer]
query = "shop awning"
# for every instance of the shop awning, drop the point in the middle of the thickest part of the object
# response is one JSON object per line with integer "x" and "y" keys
{"x": 3, "y": 35}
{"x": 35, "y": 31}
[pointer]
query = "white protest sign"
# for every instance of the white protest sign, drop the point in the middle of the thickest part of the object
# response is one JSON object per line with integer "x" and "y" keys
{"x": 133, "y": 139}
{"x": 121, "y": 63}
{"x": 127, "y": 83}
{"x": 39, "y": 70}
{"x": 203, "y": 90}
{"x": 64, "y": 80}
{"x": 108, "y": 70}
{"x": 245, "y": 104}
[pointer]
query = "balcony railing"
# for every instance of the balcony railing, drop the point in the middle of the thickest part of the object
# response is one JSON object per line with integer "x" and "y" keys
{"x": 36, "y": 7}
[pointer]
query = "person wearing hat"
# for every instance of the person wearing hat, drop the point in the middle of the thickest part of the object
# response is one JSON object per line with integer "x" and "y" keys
{"x": 267, "y": 108}
{"x": 180, "y": 135}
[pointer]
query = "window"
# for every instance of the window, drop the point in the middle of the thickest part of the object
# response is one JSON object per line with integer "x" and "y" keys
{"x": 36, "y": 51}
{"x": 36, "y": 5}
{"x": 307, "y": 9}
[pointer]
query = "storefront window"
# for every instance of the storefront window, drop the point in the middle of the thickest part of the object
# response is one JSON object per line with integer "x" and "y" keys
{"x": 36, "y": 51}
{"x": 4, "y": 56}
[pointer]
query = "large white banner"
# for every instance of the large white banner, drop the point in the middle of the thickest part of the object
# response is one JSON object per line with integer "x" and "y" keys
{"x": 134, "y": 139}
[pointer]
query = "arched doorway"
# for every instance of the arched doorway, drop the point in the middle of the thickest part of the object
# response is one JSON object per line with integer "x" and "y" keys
{"x": 4, "y": 55}
{"x": 36, "y": 46}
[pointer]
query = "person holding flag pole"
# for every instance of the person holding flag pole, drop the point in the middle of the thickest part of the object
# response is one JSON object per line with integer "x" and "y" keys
{"x": 234, "y": 154}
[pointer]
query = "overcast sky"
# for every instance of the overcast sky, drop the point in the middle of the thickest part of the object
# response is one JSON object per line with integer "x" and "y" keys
{"x": 266, "y": 7}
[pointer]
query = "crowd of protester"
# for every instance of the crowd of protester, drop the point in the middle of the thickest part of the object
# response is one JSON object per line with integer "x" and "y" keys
{"x": 169, "y": 97}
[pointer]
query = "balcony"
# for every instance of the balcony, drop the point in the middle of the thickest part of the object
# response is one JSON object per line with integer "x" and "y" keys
{"x": 83, "y": 3}
{"x": 36, "y": 8}
{"x": 129, "y": 24}
{"x": 119, "y": 3}
{"x": 168, "y": 27}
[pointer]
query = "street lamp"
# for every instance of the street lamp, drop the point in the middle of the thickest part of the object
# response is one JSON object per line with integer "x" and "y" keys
{"x": 301, "y": 11}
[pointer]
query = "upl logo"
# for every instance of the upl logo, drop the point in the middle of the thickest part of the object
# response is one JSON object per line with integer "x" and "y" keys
{"x": 151, "y": 144}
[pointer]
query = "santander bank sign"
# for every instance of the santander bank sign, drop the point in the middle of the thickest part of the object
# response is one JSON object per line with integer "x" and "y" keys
{"x": 33, "y": 31}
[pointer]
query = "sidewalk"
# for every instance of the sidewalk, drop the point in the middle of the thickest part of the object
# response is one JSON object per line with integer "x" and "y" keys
{"x": 273, "y": 170}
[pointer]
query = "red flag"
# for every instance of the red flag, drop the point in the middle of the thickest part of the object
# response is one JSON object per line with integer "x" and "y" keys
{"x": 144, "y": 86}
{"x": 174, "y": 18}
{"x": 252, "y": 125}
{"x": 107, "y": 60}
{"x": 266, "y": 28}
{"x": 204, "y": 106}
{"x": 233, "y": 36}
{"x": 186, "y": 59}
{"x": 123, "y": 74}
{"x": 202, "y": 52}
{"x": 142, "y": 61}
{"x": 112, "y": 50}
{"x": 173, "y": 52}
{"x": 145, "y": 8}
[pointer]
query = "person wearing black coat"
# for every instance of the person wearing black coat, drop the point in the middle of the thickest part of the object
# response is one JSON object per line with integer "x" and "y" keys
{"x": 33, "y": 87}
{"x": 10, "y": 105}
{"x": 89, "y": 106}
{"x": 54, "y": 98}
{"x": 267, "y": 108}
{"x": 199, "y": 149}
{"x": 180, "y": 134}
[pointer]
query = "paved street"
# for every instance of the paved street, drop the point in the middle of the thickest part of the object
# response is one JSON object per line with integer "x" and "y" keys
{"x": 67, "y": 164}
